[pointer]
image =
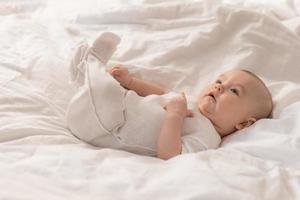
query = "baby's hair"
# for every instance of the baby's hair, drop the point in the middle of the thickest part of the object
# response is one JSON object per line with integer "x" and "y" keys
{"x": 262, "y": 82}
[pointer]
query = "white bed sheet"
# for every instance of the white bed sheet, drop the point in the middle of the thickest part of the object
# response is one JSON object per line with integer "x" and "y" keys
{"x": 179, "y": 44}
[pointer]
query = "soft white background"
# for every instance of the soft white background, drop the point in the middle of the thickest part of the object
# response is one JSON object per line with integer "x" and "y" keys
{"x": 180, "y": 44}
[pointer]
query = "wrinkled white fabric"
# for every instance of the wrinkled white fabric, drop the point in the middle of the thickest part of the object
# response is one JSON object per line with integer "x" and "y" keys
{"x": 179, "y": 44}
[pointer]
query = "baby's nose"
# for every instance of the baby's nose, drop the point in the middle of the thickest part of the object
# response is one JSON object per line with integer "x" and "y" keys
{"x": 219, "y": 88}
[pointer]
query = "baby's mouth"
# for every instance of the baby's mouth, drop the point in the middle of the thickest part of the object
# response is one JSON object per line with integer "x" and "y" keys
{"x": 212, "y": 95}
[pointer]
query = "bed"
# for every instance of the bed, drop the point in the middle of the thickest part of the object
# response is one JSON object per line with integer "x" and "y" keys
{"x": 179, "y": 44}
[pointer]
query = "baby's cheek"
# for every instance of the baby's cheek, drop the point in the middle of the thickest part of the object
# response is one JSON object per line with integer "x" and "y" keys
{"x": 229, "y": 106}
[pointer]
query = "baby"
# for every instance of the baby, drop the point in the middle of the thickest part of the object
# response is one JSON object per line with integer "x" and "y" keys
{"x": 236, "y": 100}
{"x": 142, "y": 117}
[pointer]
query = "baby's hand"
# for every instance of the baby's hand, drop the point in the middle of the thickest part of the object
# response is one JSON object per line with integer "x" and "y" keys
{"x": 178, "y": 105}
{"x": 121, "y": 74}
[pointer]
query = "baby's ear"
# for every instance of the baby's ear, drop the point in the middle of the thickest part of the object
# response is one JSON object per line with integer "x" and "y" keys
{"x": 247, "y": 123}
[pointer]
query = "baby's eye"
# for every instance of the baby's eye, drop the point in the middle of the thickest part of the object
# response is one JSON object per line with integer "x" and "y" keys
{"x": 218, "y": 81}
{"x": 235, "y": 91}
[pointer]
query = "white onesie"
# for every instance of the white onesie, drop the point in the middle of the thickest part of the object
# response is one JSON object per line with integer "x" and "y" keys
{"x": 144, "y": 119}
{"x": 104, "y": 114}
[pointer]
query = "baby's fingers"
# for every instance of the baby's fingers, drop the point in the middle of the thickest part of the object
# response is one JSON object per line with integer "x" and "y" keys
{"x": 115, "y": 71}
{"x": 117, "y": 66}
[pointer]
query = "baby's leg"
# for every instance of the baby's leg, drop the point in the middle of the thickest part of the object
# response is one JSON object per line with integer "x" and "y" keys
{"x": 98, "y": 108}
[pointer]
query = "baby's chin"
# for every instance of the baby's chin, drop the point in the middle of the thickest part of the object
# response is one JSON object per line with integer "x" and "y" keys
{"x": 206, "y": 113}
{"x": 206, "y": 107}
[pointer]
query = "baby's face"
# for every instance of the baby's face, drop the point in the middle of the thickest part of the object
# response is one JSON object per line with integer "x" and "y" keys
{"x": 231, "y": 101}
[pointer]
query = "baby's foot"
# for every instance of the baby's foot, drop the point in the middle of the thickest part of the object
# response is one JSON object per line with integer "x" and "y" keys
{"x": 121, "y": 74}
{"x": 104, "y": 46}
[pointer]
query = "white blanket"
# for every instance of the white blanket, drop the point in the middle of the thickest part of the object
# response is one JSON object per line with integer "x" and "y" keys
{"x": 180, "y": 44}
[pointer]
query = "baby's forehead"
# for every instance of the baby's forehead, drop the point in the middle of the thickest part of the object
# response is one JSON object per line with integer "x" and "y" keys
{"x": 249, "y": 81}
{"x": 239, "y": 76}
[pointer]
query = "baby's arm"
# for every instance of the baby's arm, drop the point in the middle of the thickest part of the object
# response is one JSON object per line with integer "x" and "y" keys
{"x": 169, "y": 140}
{"x": 141, "y": 87}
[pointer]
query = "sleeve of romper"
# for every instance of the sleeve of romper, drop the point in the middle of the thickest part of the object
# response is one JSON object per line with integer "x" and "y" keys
{"x": 196, "y": 142}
